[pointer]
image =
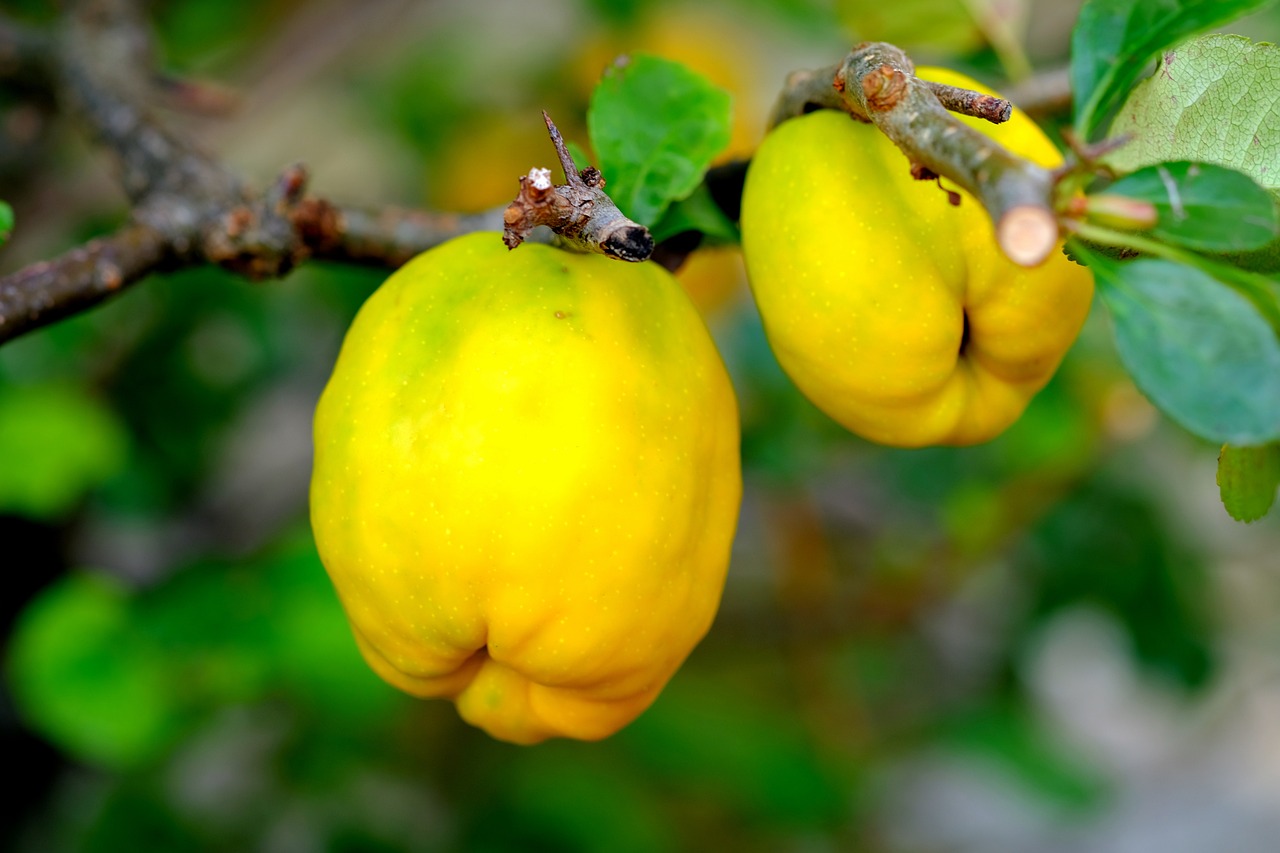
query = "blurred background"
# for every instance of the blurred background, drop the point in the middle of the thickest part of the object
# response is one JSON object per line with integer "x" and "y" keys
{"x": 1057, "y": 641}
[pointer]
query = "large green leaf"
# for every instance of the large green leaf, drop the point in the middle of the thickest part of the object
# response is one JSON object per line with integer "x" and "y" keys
{"x": 1247, "y": 480}
{"x": 113, "y": 677}
{"x": 1198, "y": 349}
{"x": 655, "y": 125}
{"x": 1211, "y": 99}
{"x": 1114, "y": 39}
{"x": 1202, "y": 206}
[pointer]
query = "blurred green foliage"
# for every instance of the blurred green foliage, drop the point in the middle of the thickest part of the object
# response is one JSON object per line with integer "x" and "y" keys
{"x": 68, "y": 443}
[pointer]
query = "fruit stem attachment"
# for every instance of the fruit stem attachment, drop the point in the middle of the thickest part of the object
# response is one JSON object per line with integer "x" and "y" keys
{"x": 876, "y": 83}
{"x": 579, "y": 211}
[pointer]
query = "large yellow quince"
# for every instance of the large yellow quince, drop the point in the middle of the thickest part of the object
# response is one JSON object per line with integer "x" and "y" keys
{"x": 526, "y": 484}
{"x": 893, "y": 311}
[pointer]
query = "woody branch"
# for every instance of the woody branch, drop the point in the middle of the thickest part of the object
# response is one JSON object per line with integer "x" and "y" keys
{"x": 877, "y": 83}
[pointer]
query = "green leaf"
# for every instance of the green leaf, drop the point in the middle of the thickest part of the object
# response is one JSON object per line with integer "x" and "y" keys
{"x": 83, "y": 675}
{"x": 6, "y": 222}
{"x": 1203, "y": 206}
{"x": 655, "y": 125}
{"x": 1114, "y": 39}
{"x": 56, "y": 443}
{"x": 1247, "y": 480}
{"x": 1199, "y": 350}
{"x": 1212, "y": 99}
{"x": 1262, "y": 291}
{"x": 697, "y": 212}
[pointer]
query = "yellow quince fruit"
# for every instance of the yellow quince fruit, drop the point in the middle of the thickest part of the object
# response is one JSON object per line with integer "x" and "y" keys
{"x": 893, "y": 311}
{"x": 526, "y": 484}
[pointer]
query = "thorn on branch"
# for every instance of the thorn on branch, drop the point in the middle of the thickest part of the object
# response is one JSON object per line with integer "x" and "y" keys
{"x": 921, "y": 172}
{"x": 570, "y": 168}
{"x": 578, "y": 211}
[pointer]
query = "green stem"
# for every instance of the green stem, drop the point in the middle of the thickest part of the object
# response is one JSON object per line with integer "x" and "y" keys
{"x": 1262, "y": 291}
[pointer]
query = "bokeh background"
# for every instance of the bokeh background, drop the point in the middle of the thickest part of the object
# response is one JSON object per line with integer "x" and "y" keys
{"x": 1057, "y": 641}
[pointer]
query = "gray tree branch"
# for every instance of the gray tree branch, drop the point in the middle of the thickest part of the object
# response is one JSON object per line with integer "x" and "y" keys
{"x": 877, "y": 83}
{"x": 186, "y": 208}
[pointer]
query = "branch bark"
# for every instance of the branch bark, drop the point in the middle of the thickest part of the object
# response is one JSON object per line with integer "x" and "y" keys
{"x": 187, "y": 209}
{"x": 877, "y": 83}
{"x": 50, "y": 290}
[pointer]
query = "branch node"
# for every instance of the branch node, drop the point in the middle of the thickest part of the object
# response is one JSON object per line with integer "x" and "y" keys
{"x": 884, "y": 88}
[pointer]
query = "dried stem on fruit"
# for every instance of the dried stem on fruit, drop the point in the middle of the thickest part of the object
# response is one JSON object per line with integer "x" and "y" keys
{"x": 579, "y": 211}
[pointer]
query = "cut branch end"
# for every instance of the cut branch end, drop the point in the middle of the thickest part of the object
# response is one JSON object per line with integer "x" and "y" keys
{"x": 1027, "y": 234}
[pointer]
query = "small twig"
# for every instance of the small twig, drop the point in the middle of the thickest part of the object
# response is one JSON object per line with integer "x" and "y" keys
{"x": 384, "y": 237}
{"x": 50, "y": 290}
{"x": 970, "y": 103}
{"x": 579, "y": 211}
{"x": 877, "y": 83}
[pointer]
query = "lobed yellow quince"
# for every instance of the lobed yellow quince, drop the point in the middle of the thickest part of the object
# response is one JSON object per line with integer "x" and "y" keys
{"x": 893, "y": 311}
{"x": 526, "y": 484}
